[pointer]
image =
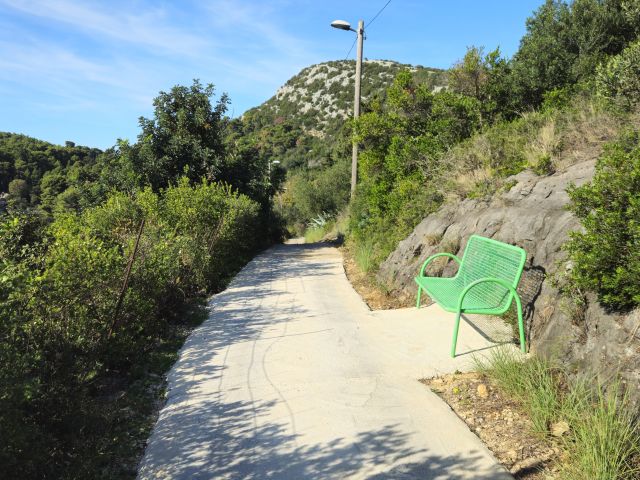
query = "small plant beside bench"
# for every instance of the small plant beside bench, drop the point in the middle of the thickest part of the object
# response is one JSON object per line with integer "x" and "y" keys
{"x": 485, "y": 283}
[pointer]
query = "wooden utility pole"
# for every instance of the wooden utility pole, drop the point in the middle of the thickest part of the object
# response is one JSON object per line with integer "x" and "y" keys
{"x": 356, "y": 107}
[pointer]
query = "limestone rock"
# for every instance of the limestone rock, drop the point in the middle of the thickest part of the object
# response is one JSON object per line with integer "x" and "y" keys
{"x": 558, "y": 429}
{"x": 483, "y": 391}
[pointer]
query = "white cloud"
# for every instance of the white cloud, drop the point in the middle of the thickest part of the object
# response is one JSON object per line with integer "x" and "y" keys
{"x": 145, "y": 27}
{"x": 258, "y": 25}
{"x": 109, "y": 60}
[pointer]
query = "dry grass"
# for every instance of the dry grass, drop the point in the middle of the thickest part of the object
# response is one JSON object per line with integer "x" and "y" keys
{"x": 376, "y": 296}
{"x": 544, "y": 142}
{"x": 468, "y": 181}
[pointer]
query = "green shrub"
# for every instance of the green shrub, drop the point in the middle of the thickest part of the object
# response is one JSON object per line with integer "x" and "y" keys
{"x": 314, "y": 192}
{"x": 400, "y": 165}
{"x": 619, "y": 78}
{"x": 605, "y": 254}
{"x": 70, "y": 329}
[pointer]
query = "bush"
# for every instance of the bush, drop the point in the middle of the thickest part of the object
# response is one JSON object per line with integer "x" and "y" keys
{"x": 74, "y": 322}
{"x": 401, "y": 171}
{"x": 605, "y": 255}
{"x": 619, "y": 78}
{"x": 310, "y": 193}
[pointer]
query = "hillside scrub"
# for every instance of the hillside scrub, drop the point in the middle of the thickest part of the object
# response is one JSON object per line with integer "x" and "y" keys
{"x": 105, "y": 260}
{"x": 544, "y": 141}
{"x": 400, "y": 170}
{"x": 78, "y": 307}
{"x": 33, "y": 172}
{"x": 499, "y": 117}
{"x": 605, "y": 254}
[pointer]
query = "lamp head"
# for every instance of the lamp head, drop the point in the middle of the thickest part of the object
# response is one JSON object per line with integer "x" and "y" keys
{"x": 341, "y": 25}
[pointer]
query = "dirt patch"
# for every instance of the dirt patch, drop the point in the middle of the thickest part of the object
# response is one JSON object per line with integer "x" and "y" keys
{"x": 372, "y": 293}
{"x": 500, "y": 423}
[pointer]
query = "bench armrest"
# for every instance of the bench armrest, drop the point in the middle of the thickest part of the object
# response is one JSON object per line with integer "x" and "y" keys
{"x": 488, "y": 280}
{"x": 433, "y": 257}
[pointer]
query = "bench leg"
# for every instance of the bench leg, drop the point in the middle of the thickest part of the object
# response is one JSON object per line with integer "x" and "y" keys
{"x": 455, "y": 335}
{"x": 419, "y": 295}
{"x": 523, "y": 346}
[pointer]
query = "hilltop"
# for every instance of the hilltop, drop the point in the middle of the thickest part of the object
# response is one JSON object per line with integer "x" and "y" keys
{"x": 320, "y": 97}
{"x": 300, "y": 124}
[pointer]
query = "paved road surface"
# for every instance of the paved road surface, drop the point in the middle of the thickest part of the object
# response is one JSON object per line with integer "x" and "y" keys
{"x": 292, "y": 377}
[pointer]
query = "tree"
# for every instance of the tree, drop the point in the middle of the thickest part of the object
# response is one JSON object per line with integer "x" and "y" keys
{"x": 487, "y": 78}
{"x": 18, "y": 193}
{"x": 565, "y": 42}
{"x": 619, "y": 78}
{"x": 543, "y": 62}
{"x": 184, "y": 137}
{"x": 469, "y": 75}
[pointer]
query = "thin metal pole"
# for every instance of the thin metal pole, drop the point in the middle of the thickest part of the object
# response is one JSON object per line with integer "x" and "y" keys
{"x": 356, "y": 107}
{"x": 125, "y": 282}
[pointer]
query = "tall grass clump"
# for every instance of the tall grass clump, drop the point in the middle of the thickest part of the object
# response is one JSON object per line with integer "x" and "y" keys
{"x": 533, "y": 382}
{"x": 364, "y": 256}
{"x": 605, "y": 436}
{"x": 603, "y": 441}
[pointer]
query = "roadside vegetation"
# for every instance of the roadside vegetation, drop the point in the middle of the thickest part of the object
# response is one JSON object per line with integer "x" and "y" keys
{"x": 569, "y": 89}
{"x": 105, "y": 261}
{"x": 597, "y": 424}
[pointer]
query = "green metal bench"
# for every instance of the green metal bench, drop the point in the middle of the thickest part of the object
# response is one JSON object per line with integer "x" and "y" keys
{"x": 486, "y": 282}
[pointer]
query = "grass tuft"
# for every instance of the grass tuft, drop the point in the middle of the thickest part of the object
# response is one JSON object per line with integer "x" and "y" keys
{"x": 604, "y": 438}
{"x": 314, "y": 234}
{"x": 533, "y": 382}
{"x": 364, "y": 256}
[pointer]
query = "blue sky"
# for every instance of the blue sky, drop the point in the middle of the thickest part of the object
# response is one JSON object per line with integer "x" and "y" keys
{"x": 85, "y": 70}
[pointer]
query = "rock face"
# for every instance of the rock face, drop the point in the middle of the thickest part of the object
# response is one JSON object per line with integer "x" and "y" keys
{"x": 533, "y": 215}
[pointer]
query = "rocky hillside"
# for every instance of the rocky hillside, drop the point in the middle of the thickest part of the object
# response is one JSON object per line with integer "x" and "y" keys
{"x": 301, "y": 123}
{"x": 320, "y": 97}
{"x": 533, "y": 215}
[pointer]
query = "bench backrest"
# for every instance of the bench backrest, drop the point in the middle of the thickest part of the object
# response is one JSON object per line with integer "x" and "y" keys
{"x": 484, "y": 257}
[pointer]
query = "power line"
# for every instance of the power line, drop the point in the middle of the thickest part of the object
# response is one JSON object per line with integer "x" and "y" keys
{"x": 376, "y": 15}
{"x": 368, "y": 25}
{"x": 352, "y": 45}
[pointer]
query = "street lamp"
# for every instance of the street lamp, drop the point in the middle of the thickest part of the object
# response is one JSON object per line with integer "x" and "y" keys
{"x": 342, "y": 25}
{"x": 275, "y": 162}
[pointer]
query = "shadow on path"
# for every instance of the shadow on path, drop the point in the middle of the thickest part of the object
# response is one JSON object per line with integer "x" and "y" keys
{"x": 204, "y": 432}
{"x": 237, "y": 450}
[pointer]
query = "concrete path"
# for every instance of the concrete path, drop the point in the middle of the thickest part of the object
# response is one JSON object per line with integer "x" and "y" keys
{"x": 292, "y": 377}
